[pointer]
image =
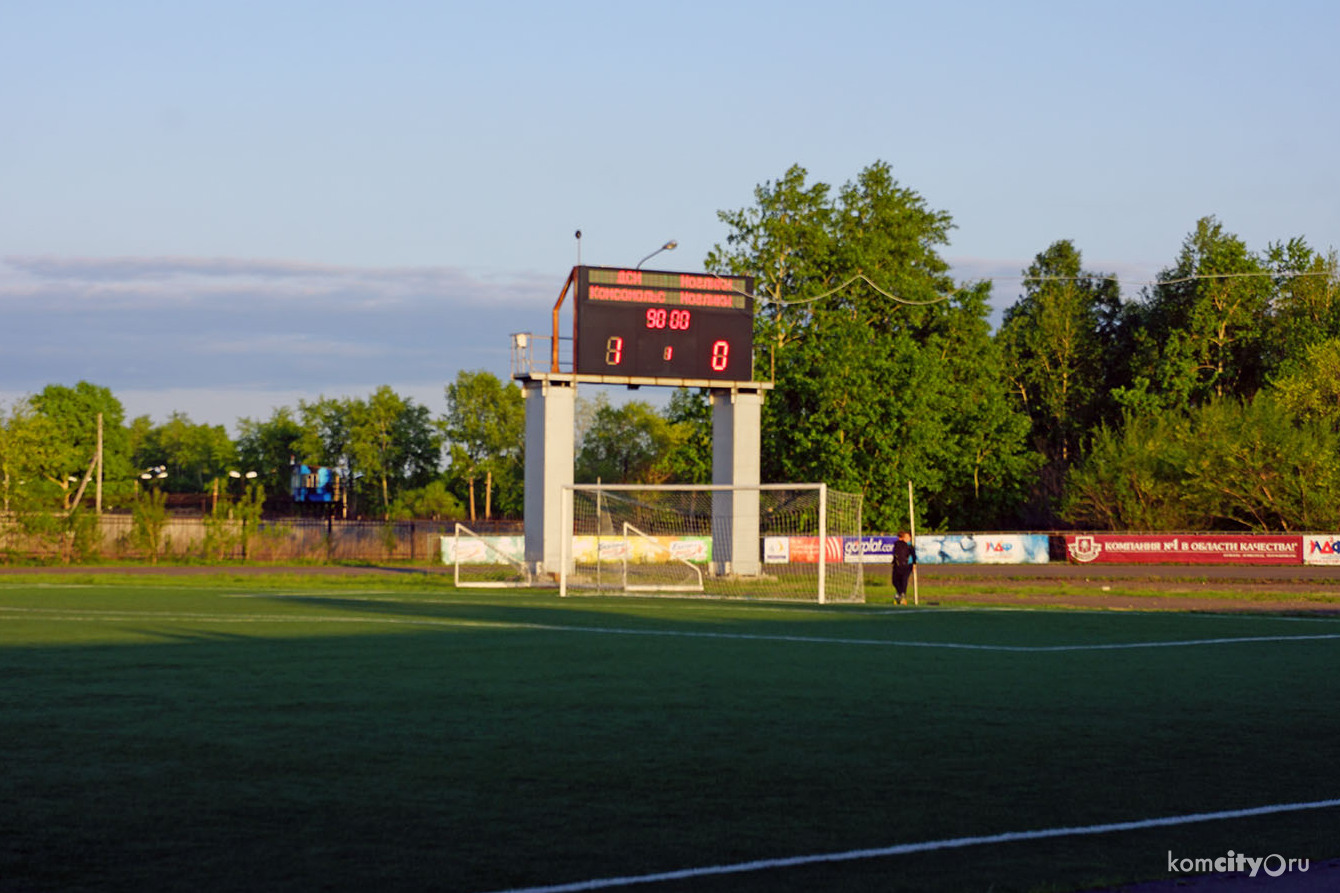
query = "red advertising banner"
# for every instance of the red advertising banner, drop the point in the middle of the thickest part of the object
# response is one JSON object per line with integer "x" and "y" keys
{"x": 1225, "y": 548}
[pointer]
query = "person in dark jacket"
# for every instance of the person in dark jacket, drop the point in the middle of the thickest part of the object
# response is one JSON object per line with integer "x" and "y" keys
{"x": 904, "y": 557}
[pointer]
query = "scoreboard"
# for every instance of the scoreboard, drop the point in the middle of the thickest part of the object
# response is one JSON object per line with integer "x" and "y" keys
{"x": 656, "y": 324}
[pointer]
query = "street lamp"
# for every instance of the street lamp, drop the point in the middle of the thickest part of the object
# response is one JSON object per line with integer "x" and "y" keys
{"x": 668, "y": 246}
{"x": 154, "y": 473}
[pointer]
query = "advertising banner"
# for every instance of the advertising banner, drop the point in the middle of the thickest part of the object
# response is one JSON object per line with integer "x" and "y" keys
{"x": 476, "y": 550}
{"x": 1005, "y": 548}
{"x": 1224, "y": 548}
{"x": 801, "y": 549}
{"x": 868, "y": 549}
{"x": 1322, "y": 549}
{"x": 982, "y": 548}
{"x": 642, "y": 550}
{"x": 492, "y": 549}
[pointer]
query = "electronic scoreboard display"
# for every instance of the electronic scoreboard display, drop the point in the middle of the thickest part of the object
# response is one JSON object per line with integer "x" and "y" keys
{"x": 654, "y": 324}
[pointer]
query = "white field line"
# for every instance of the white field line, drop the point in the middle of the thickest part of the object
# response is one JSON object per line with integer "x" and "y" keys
{"x": 179, "y": 617}
{"x": 74, "y": 615}
{"x": 953, "y": 646}
{"x": 923, "y": 847}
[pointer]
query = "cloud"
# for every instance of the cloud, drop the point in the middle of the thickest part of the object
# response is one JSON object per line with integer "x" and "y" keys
{"x": 215, "y": 325}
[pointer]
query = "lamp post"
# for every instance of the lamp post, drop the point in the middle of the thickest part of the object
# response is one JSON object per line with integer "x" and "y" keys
{"x": 154, "y": 473}
{"x": 249, "y": 507}
{"x": 668, "y": 246}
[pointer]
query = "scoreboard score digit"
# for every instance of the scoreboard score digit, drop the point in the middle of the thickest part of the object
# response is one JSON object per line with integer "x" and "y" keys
{"x": 655, "y": 324}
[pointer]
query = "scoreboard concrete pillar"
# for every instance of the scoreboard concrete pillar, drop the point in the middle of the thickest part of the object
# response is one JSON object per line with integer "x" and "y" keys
{"x": 549, "y": 468}
{"x": 736, "y": 424}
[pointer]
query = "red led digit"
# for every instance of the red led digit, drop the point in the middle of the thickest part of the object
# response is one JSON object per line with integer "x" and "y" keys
{"x": 614, "y": 351}
{"x": 679, "y": 319}
{"x": 656, "y": 317}
{"x": 720, "y": 355}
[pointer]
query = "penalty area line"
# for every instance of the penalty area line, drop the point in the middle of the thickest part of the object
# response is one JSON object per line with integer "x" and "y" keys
{"x": 923, "y": 847}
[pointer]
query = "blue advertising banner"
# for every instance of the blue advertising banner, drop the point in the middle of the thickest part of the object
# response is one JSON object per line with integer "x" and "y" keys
{"x": 982, "y": 548}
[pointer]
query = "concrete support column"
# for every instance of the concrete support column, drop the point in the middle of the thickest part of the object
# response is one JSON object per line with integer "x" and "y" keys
{"x": 736, "y": 422}
{"x": 550, "y": 404}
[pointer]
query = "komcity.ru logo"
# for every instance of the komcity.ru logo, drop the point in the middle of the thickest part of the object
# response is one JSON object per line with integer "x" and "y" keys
{"x": 1273, "y": 865}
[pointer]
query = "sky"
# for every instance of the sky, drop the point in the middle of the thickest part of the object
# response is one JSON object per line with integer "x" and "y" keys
{"x": 219, "y": 209}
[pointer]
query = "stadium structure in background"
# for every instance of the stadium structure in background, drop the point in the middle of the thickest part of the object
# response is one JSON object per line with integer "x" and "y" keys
{"x": 643, "y": 328}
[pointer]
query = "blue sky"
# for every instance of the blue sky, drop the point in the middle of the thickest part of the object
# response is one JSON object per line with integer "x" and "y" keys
{"x": 218, "y": 208}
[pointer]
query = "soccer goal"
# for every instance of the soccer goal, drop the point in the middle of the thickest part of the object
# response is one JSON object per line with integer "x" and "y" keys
{"x": 485, "y": 562}
{"x": 769, "y": 541}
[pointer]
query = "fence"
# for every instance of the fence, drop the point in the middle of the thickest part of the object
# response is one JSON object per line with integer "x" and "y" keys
{"x": 113, "y": 537}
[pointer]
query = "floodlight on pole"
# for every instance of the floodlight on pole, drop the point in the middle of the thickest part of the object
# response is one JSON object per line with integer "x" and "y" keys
{"x": 668, "y": 246}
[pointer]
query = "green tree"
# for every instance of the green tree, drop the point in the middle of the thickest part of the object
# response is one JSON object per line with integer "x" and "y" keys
{"x": 1203, "y": 326}
{"x": 74, "y": 413}
{"x": 1310, "y": 385}
{"x": 688, "y": 456}
{"x": 271, "y": 447}
{"x": 1131, "y": 477}
{"x": 884, "y": 371}
{"x": 625, "y": 445}
{"x": 1060, "y": 358}
{"x": 393, "y": 444}
{"x": 1305, "y": 304}
{"x": 194, "y": 455}
{"x": 485, "y": 428}
{"x": 1230, "y": 464}
{"x": 433, "y": 502}
{"x": 33, "y": 460}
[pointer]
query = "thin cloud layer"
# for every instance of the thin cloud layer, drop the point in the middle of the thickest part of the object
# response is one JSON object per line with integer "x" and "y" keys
{"x": 141, "y": 324}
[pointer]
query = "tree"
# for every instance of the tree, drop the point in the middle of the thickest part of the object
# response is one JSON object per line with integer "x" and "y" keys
{"x": 433, "y": 502}
{"x": 1203, "y": 325}
{"x": 74, "y": 415}
{"x": 194, "y": 455}
{"x": 393, "y": 442}
{"x": 688, "y": 457}
{"x": 485, "y": 428}
{"x": 271, "y": 447}
{"x": 1310, "y": 386}
{"x": 1230, "y": 464}
{"x": 33, "y": 460}
{"x": 625, "y": 445}
{"x": 884, "y": 371}
{"x": 1060, "y": 358}
{"x": 1305, "y": 305}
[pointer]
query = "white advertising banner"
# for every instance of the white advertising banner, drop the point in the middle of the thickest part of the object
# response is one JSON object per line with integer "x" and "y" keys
{"x": 1322, "y": 549}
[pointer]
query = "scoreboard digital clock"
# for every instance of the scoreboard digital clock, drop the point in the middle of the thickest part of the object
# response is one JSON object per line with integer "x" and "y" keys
{"x": 654, "y": 324}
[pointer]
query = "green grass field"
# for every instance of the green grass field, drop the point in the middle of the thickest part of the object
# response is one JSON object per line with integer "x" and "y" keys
{"x": 286, "y": 734}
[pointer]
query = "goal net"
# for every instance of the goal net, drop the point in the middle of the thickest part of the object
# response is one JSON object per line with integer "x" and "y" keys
{"x": 769, "y": 541}
{"x": 485, "y": 562}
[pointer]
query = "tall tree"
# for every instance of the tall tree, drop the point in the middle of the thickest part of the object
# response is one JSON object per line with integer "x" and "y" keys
{"x": 1060, "y": 358}
{"x": 485, "y": 428}
{"x": 1203, "y": 324}
{"x": 394, "y": 443}
{"x": 33, "y": 460}
{"x": 1305, "y": 305}
{"x": 194, "y": 455}
{"x": 884, "y": 371}
{"x": 624, "y": 445}
{"x": 688, "y": 459}
{"x": 271, "y": 447}
{"x": 74, "y": 412}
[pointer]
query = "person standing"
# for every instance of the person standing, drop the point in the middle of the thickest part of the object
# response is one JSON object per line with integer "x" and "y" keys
{"x": 904, "y": 557}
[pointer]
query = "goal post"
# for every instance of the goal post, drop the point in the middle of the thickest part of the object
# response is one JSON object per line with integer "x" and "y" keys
{"x": 762, "y": 541}
{"x": 480, "y": 562}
